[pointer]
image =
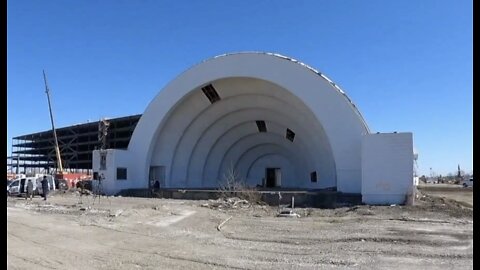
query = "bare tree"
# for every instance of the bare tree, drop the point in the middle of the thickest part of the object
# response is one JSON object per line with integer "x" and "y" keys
{"x": 233, "y": 185}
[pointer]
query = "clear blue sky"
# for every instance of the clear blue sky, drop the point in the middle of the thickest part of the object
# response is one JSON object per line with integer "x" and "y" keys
{"x": 407, "y": 65}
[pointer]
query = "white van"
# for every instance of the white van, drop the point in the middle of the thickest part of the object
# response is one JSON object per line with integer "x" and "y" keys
{"x": 19, "y": 186}
{"x": 467, "y": 182}
{"x": 14, "y": 187}
{"x": 51, "y": 184}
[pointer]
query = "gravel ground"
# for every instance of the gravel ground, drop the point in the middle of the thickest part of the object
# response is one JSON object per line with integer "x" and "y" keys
{"x": 73, "y": 232}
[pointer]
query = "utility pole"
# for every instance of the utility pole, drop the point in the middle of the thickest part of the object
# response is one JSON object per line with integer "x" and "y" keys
{"x": 57, "y": 149}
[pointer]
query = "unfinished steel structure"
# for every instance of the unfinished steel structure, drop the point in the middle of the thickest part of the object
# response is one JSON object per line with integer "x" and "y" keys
{"x": 36, "y": 152}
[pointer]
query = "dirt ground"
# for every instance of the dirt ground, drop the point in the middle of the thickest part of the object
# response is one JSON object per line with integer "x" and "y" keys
{"x": 448, "y": 191}
{"x": 73, "y": 232}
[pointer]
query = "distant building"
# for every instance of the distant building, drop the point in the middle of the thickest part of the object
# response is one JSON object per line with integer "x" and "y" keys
{"x": 35, "y": 153}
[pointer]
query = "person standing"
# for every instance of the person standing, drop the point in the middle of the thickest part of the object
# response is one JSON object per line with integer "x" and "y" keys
{"x": 29, "y": 190}
{"x": 155, "y": 188}
{"x": 45, "y": 187}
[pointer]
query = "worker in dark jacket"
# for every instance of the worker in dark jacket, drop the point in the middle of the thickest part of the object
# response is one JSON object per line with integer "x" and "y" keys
{"x": 29, "y": 190}
{"x": 45, "y": 187}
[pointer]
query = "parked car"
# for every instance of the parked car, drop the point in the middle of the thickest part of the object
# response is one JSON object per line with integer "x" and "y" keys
{"x": 467, "y": 182}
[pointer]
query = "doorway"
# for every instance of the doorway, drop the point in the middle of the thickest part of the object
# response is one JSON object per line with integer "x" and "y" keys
{"x": 22, "y": 186}
{"x": 157, "y": 177}
{"x": 273, "y": 177}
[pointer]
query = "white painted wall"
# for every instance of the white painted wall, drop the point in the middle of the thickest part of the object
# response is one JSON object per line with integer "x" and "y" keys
{"x": 387, "y": 168}
{"x": 115, "y": 158}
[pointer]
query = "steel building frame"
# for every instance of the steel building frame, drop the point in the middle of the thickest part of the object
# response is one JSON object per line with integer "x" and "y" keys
{"x": 36, "y": 152}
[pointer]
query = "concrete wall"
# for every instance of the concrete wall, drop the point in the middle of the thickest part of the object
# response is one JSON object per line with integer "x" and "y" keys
{"x": 387, "y": 168}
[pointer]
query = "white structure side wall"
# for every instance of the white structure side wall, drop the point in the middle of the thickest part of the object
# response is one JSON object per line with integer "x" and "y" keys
{"x": 387, "y": 168}
{"x": 115, "y": 159}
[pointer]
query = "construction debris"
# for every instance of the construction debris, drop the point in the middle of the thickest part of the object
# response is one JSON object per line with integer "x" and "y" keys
{"x": 288, "y": 213}
{"x": 227, "y": 203}
{"x": 221, "y": 224}
{"x": 116, "y": 213}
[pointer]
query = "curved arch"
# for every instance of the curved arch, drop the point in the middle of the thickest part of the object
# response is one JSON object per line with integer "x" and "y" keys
{"x": 303, "y": 139}
{"x": 298, "y": 144}
{"x": 330, "y": 107}
{"x": 274, "y": 118}
{"x": 285, "y": 105}
{"x": 239, "y": 130}
{"x": 229, "y": 106}
{"x": 273, "y": 148}
{"x": 239, "y": 135}
{"x": 237, "y": 149}
{"x": 294, "y": 170}
{"x": 287, "y": 169}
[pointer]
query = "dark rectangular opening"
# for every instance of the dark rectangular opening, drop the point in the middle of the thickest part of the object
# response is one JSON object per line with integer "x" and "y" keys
{"x": 313, "y": 177}
{"x": 22, "y": 185}
{"x": 290, "y": 134}
{"x": 270, "y": 177}
{"x": 211, "y": 93}
{"x": 121, "y": 173}
{"x": 262, "y": 127}
{"x": 103, "y": 160}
